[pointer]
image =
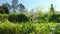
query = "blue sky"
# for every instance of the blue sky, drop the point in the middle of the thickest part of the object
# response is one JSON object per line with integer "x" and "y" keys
{"x": 30, "y": 4}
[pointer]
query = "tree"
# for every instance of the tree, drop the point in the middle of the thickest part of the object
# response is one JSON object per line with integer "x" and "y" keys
{"x": 4, "y": 10}
{"x": 52, "y": 16}
{"x": 51, "y": 11}
{"x": 14, "y": 5}
{"x": 21, "y": 7}
{"x": 6, "y": 5}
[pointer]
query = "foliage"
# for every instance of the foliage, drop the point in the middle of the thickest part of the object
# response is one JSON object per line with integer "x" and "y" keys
{"x": 17, "y": 18}
{"x": 27, "y": 28}
{"x": 21, "y": 7}
{"x": 55, "y": 18}
{"x": 4, "y": 10}
{"x": 57, "y": 29}
{"x": 6, "y": 5}
{"x": 51, "y": 11}
{"x": 3, "y": 17}
{"x": 18, "y": 23}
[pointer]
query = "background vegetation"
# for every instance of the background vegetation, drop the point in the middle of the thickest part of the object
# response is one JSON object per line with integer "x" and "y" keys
{"x": 32, "y": 23}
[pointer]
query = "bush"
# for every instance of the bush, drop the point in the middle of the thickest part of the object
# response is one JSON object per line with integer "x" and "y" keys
{"x": 4, "y": 10}
{"x": 57, "y": 29}
{"x": 55, "y": 18}
{"x": 10, "y": 28}
{"x": 25, "y": 28}
{"x": 17, "y": 18}
{"x": 3, "y": 17}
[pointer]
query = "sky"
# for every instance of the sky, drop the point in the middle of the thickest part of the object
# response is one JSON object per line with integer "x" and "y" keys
{"x": 31, "y": 4}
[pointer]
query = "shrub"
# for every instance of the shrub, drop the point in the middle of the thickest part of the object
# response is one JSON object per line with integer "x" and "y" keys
{"x": 4, "y": 10}
{"x": 57, "y": 29}
{"x": 55, "y": 18}
{"x": 26, "y": 28}
{"x": 10, "y": 28}
{"x": 3, "y": 17}
{"x": 17, "y": 18}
